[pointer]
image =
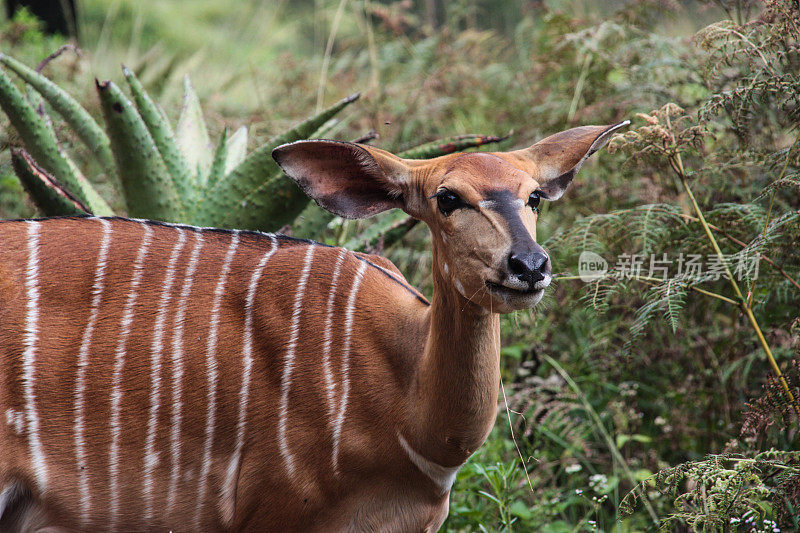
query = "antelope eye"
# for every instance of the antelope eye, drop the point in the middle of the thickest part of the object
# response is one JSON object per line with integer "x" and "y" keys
{"x": 448, "y": 201}
{"x": 533, "y": 200}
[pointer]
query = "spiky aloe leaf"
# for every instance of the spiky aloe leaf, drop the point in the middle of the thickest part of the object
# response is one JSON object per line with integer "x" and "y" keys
{"x": 164, "y": 139}
{"x": 230, "y": 152}
{"x": 220, "y": 159}
{"x": 237, "y": 149}
{"x": 450, "y": 145}
{"x": 94, "y": 202}
{"x": 42, "y": 145}
{"x": 311, "y": 222}
{"x": 93, "y": 197}
{"x": 256, "y": 194}
{"x": 323, "y": 131}
{"x": 192, "y": 135}
{"x": 387, "y": 229}
{"x": 48, "y": 195}
{"x": 149, "y": 190}
{"x": 73, "y": 113}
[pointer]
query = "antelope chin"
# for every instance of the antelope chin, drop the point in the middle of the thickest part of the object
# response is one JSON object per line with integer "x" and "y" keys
{"x": 513, "y": 298}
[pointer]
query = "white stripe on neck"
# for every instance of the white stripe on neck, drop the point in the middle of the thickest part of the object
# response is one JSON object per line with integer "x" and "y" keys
{"x": 442, "y": 476}
{"x": 151, "y": 456}
{"x": 178, "y": 363}
{"x": 212, "y": 375}
{"x": 117, "y": 389}
{"x": 288, "y": 363}
{"x": 80, "y": 380}
{"x": 31, "y": 340}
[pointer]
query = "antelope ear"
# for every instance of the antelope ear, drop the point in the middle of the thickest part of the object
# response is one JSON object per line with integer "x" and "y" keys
{"x": 350, "y": 180}
{"x": 555, "y": 160}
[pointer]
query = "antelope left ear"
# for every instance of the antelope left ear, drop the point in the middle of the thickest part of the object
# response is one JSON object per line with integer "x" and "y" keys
{"x": 350, "y": 180}
{"x": 555, "y": 160}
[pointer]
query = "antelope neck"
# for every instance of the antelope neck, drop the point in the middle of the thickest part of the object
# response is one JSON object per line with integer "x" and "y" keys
{"x": 454, "y": 393}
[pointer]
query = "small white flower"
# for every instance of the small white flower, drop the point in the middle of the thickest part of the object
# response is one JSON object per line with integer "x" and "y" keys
{"x": 575, "y": 467}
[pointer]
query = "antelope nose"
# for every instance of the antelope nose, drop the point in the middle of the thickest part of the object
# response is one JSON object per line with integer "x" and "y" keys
{"x": 528, "y": 266}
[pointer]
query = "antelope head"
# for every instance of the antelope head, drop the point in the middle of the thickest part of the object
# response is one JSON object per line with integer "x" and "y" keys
{"x": 481, "y": 207}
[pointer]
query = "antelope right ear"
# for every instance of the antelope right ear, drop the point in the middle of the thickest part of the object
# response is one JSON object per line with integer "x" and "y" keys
{"x": 555, "y": 160}
{"x": 350, "y": 180}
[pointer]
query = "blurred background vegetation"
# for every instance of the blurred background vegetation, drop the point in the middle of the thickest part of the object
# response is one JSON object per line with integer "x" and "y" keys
{"x": 629, "y": 404}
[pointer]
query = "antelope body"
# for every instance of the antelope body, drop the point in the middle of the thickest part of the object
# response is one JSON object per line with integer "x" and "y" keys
{"x": 164, "y": 377}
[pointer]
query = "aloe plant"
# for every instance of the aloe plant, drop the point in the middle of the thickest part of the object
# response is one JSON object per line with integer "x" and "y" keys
{"x": 165, "y": 174}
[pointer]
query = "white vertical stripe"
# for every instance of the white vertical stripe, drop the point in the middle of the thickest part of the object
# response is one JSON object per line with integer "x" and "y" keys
{"x": 83, "y": 363}
{"x": 157, "y": 350}
{"x": 348, "y": 331}
{"x": 247, "y": 367}
{"x": 288, "y": 362}
{"x": 29, "y": 355}
{"x": 213, "y": 375}
{"x": 177, "y": 372}
{"x": 442, "y": 476}
{"x": 116, "y": 380}
{"x": 330, "y": 384}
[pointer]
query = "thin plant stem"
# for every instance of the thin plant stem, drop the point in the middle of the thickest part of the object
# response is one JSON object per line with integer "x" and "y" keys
{"x": 326, "y": 61}
{"x": 513, "y": 438}
{"x": 573, "y": 106}
{"x": 677, "y": 164}
{"x": 658, "y": 280}
{"x": 612, "y": 447}
{"x": 374, "y": 78}
{"x": 715, "y": 295}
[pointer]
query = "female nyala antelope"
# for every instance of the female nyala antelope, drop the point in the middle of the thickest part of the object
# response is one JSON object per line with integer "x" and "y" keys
{"x": 157, "y": 376}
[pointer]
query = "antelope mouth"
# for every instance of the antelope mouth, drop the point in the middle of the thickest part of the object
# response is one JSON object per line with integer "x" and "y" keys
{"x": 511, "y": 291}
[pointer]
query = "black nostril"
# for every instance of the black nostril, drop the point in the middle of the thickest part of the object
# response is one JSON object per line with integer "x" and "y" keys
{"x": 529, "y": 266}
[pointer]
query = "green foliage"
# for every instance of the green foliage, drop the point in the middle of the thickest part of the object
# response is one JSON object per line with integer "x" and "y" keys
{"x": 164, "y": 175}
{"x": 728, "y": 492}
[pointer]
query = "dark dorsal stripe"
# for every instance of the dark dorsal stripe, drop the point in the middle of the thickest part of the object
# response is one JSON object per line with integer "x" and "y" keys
{"x": 259, "y": 235}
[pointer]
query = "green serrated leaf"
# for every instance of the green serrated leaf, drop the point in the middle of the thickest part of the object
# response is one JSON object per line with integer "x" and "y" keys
{"x": 41, "y": 143}
{"x": 325, "y": 129}
{"x": 164, "y": 139}
{"x": 149, "y": 190}
{"x": 256, "y": 194}
{"x": 93, "y": 198}
{"x": 450, "y": 145}
{"x": 73, "y": 113}
{"x": 48, "y": 195}
{"x": 220, "y": 156}
{"x": 192, "y": 135}
{"x": 237, "y": 149}
{"x": 278, "y": 202}
{"x": 673, "y": 303}
{"x": 311, "y": 222}
{"x": 37, "y": 102}
{"x": 388, "y": 228}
